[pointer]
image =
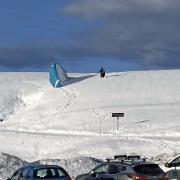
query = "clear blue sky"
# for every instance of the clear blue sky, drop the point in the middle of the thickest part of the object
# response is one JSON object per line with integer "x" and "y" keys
{"x": 83, "y": 35}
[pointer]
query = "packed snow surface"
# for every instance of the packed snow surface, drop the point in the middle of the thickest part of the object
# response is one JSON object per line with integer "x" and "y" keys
{"x": 41, "y": 122}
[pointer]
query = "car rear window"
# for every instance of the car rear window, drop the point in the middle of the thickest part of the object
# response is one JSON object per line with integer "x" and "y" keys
{"x": 148, "y": 169}
{"x": 44, "y": 173}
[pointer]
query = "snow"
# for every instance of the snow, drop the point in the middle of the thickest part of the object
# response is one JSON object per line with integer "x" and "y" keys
{"x": 41, "y": 122}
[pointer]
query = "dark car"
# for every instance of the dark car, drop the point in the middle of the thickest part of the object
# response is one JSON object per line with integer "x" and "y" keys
{"x": 173, "y": 163}
{"x": 125, "y": 168}
{"x": 37, "y": 172}
{"x": 173, "y": 168}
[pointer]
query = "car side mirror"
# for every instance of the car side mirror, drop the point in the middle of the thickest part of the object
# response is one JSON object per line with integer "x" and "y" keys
{"x": 167, "y": 165}
{"x": 93, "y": 173}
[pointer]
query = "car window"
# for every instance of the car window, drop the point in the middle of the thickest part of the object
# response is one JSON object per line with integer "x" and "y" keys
{"x": 40, "y": 173}
{"x": 101, "y": 169}
{"x": 25, "y": 173}
{"x": 61, "y": 173}
{"x": 113, "y": 169}
{"x": 148, "y": 169}
{"x": 44, "y": 173}
{"x": 176, "y": 161}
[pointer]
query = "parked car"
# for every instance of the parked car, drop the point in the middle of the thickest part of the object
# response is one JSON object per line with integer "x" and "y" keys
{"x": 173, "y": 168}
{"x": 125, "y": 168}
{"x": 37, "y": 172}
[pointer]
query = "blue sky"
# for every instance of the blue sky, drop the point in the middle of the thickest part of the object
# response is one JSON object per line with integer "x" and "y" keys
{"x": 83, "y": 35}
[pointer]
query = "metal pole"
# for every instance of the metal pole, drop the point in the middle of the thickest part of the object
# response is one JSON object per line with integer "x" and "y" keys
{"x": 18, "y": 126}
{"x": 176, "y": 174}
{"x": 100, "y": 127}
{"x": 117, "y": 125}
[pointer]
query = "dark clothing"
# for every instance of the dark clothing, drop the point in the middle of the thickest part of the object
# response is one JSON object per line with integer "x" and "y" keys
{"x": 102, "y": 73}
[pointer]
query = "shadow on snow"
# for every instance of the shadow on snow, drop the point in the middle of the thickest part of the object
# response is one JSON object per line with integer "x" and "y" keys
{"x": 72, "y": 80}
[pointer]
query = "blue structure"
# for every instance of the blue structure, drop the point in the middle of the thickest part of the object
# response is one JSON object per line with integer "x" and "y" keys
{"x": 54, "y": 77}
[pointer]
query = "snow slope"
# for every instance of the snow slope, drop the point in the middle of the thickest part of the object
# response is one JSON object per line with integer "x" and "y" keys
{"x": 40, "y": 122}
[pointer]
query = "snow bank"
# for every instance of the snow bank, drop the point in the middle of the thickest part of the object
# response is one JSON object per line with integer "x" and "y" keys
{"x": 8, "y": 165}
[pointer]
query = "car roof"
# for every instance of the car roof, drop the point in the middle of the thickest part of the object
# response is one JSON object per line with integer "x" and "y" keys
{"x": 131, "y": 160}
{"x": 42, "y": 166}
{"x": 128, "y": 162}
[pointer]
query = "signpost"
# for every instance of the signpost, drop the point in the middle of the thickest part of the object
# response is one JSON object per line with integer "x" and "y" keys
{"x": 118, "y": 115}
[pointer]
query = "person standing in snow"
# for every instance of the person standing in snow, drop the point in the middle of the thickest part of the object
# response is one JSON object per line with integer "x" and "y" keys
{"x": 102, "y": 73}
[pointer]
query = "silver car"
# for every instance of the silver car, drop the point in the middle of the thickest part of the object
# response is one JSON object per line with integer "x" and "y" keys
{"x": 125, "y": 168}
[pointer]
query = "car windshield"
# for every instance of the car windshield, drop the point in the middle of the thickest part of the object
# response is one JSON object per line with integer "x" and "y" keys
{"x": 45, "y": 173}
{"x": 148, "y": 169}
{"x": 176, "y": 162}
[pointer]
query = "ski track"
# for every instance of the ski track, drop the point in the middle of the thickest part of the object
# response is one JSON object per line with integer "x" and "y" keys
{"x": 135, "y": 106}
{"x": 149, "y": 137}
{"x": 164, "y": 142}
{"x": 69, "y": 98}
{"x": 33, "y": 83}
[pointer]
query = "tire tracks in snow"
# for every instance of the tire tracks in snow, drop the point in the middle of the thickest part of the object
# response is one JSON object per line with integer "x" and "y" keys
{"x": 166, "y": 143}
